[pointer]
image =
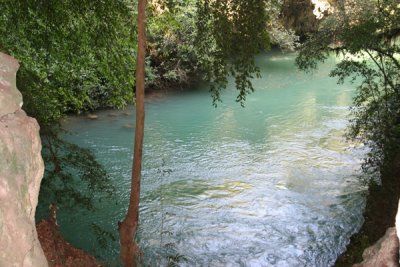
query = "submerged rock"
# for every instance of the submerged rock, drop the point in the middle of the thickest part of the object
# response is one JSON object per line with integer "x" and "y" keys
{"x": 21, "y": 171}
{"x": 92, "y": 117}
{"x": 129, "y": 126}
{"x": 112, "y": 114}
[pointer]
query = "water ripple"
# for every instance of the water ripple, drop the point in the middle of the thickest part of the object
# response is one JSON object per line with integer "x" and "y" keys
{"x": 273, "y": 184}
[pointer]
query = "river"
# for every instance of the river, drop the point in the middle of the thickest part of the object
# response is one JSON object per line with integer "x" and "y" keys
{"x": 271, "y": 184}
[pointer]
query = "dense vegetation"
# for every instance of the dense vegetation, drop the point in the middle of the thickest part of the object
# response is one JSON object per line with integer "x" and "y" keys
{"x": 74, "y": 55}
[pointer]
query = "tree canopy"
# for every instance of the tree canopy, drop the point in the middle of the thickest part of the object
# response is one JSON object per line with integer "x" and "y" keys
{"x": 230, "y": 34}
{"x": 365, "y": 33}
{"x": 74, "y": 55}
{"x": 80, "y": 55}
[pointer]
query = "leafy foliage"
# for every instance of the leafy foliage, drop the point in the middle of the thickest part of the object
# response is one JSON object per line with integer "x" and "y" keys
{"x": 364, "y": 33}
{"x": 281, "y": 32}
{"x": 298, "y": 16}
{"x": 73, "y": 176}
{"x": 230, "y": 34}
{"x": 171, "y": 28}
{"x": 75, "y": 55}
{"x": 80, "y": 55}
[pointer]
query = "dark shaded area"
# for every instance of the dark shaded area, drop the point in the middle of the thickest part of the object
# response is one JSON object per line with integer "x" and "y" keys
{"x": 73, "y": 176}
{"x": 298, "y": 15}
{"x": 379, "y": 214}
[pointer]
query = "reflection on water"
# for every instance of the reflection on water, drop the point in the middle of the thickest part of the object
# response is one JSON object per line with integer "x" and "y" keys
{"x": 272, "y": 184}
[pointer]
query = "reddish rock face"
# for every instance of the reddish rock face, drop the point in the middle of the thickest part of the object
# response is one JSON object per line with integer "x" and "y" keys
{"x": 21, "y": 171}
{"x": 384, "y": 253}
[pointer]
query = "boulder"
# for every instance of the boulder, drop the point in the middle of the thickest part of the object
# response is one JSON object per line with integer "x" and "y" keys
{"x": 384, "y": 253}
{"x": 21, "y": 171}
{"x": 10, "y": 97}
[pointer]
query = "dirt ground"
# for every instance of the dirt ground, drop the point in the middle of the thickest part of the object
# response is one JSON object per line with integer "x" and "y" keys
{"x": 60, "y": 253}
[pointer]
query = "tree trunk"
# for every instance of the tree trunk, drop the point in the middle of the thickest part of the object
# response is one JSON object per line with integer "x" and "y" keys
{"x": 128, "y": 227}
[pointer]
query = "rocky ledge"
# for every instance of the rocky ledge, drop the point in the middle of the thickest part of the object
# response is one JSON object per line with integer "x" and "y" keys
{"x": 21, "y": 171}
{"x": 384, "y": 253}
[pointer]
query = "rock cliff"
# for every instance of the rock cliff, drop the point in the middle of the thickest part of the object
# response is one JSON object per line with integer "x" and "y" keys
{"x": 21, "y": 171}
{"x": 384, "y": 253}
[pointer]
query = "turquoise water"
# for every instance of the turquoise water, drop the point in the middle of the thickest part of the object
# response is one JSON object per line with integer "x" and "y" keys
{"x": 271, "y": 184}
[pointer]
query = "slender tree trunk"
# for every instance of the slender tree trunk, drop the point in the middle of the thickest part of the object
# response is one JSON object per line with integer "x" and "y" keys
{"x": 127, "y": 228}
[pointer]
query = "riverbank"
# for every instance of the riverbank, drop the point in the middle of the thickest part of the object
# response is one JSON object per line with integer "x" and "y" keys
{"x": 60, "y": 253}
{"x": 379, "y": 214}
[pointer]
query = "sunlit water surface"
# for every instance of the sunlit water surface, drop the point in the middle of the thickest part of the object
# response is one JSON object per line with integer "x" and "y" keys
{"x": 271, "y": 184}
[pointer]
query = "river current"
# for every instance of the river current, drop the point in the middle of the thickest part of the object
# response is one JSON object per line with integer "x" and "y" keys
{"x": 271, "y": 184}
